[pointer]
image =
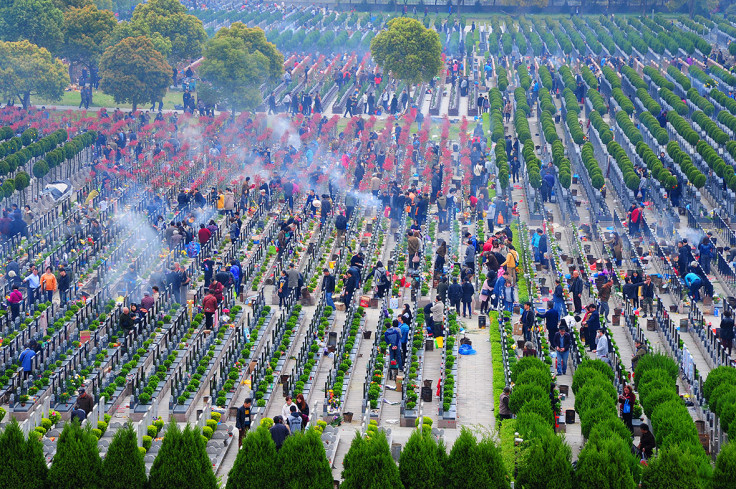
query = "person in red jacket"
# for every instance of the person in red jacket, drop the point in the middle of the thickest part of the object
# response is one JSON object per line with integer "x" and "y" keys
{"x": 14, "y": 299}
{"x": 204, "y": 234}
{"x": 209, "y": 305}
{"x": 216, "y": 289}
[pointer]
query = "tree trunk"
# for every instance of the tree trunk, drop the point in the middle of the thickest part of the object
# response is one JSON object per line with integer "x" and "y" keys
{"x": 26, "y": 100}
{"x": 135, "y": 106}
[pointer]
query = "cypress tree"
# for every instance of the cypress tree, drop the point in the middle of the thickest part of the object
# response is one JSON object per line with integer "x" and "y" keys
{"x": 261, "y": 471}
{"x": 123, "y": 467}
{"x": 420, "y": 465}
{"x": 24, "y": 464}
{"x": 77, "y": 462}
{"x": 182, "y": 461}
{"x": 545, "y": 462}
{"x": 303, "y": 463}
{"x": 369, "y": 465}
{"x": 725, "y": 471}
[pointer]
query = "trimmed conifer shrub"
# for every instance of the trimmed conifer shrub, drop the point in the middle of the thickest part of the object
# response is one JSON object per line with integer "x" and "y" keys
{"x": 77, "y": 461}
{"x": 123, "y": 467}
{"x": 302, "y": 462}
{"x": 23, "y": 463}
{"x": 182, "y": 461}
{"x": 261, "y": 471}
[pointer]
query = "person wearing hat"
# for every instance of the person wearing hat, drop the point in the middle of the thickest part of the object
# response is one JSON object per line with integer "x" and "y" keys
{"x": 147, "y": 302}
{"x": 562, "y": 342}
{"x": 85, "y": 402}
{"x": 641, "y": 349}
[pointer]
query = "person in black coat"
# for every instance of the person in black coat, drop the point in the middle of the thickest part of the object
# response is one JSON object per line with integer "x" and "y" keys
{"x": 551, "y": 319}
{"x": 593, "y": 324}
{"x": 527, "y": 321}
{"x": 328, "y": 285}
{"x": 576, "y": 289}
{"x": 685, "y": 257}
{"x": 351, "y": 283}
{"x": 727, "y": 331}
{"x": 64, "y": 283}
{"x": 242, "y": 420}
{"x": 455, "y": 294}
{"x": 468, "y": 293}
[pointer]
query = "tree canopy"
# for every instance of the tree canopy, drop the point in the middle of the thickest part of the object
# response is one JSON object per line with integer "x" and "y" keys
{"x": 38, "y": 21}
{"x": 236, "y": 62}
{"x": 408, "y": 50}
{"x": 170, "y": 19}
{"x": 87, "y": 32}
{"x": 134, "y": 71}
{"x": 26, "y": 70}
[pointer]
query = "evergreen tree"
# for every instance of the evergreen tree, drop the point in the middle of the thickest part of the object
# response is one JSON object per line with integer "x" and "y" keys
{"x": 353, "y": 468}
{"x": 24, "y": 463}
{"x": 182, "y": 461}
{"x": 376, "y": 468}
{"x": 725, "y": 471}
{"x": 77, "y": 461}
{"x": 123, "y": 467}
{"x": 420, "y": 466}
{"x": 261, "y": 471}
{"x": 545, "y": 462}
{"x": 462, "y": 456}
{"x": 303, "y": 463}
{"x": 485, "y": 458}
{"x": 491, "y": 468}
{"x": 672, "y": 468}
{"x": 605, "y": 464}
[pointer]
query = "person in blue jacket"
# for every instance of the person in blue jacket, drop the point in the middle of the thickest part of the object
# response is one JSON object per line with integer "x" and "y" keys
{"x": 498, "y": 289}
{"x": 551, "y": 319}
{"x": 707, "y": 252}
{"x": 693, "y": 281}
{"x": 404, "y": 328}
{"x": 393, "y": 338}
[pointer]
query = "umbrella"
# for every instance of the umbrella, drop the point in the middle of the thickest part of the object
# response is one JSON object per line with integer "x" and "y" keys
{"x": 58, "y": 190}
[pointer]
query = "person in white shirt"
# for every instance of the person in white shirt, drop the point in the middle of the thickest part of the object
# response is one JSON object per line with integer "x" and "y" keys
{"x": 601, "y": 351}
{"x": 286, "y": 409}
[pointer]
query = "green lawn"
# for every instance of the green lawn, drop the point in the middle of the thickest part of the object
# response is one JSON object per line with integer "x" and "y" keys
{"x": 99, "y": 99}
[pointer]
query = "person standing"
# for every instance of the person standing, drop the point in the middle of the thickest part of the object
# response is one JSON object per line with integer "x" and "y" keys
{"x": 593, "y": 324}
{"x": 34, "y": 283}
{"x": 438, "y": 316}
{"x": 209, "y": 306}
{"x": 647, "y": 442}
{"x": 468, "y": 293}
{"x": 283, "y": 288}
{"x": 627, "y": 401}
{"x": 393, "y": 340}
{"x": 351, "y": 283}
{"x": 727, "y": 331}
{"x": 647, "y": 296}
{"x": 551, "y": 319}
{"x": 604, "y": 295}
{"x": 48, "y": 284}
{"x": 576, "y": 289}
{"x": 26, "y": 361}
{"x": 328, "y": 285}
{"x": 562, "y": 343}
{"x": 85, "y": 402}
{"x": 295, "y": 420}
{"x": 293, "y": 279}
{"x": 286, "y": 408}
{"x": 504, "y": 411}
{"x": 404, "y": 328}
{"x": 279, "y": 432}
{"x": 14, "y": 299}
{"x": 455, "y": 294}
{"x": 64, "y": 284}
{"x": 527, "y": 321}
{"x": 242, "y": 420}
